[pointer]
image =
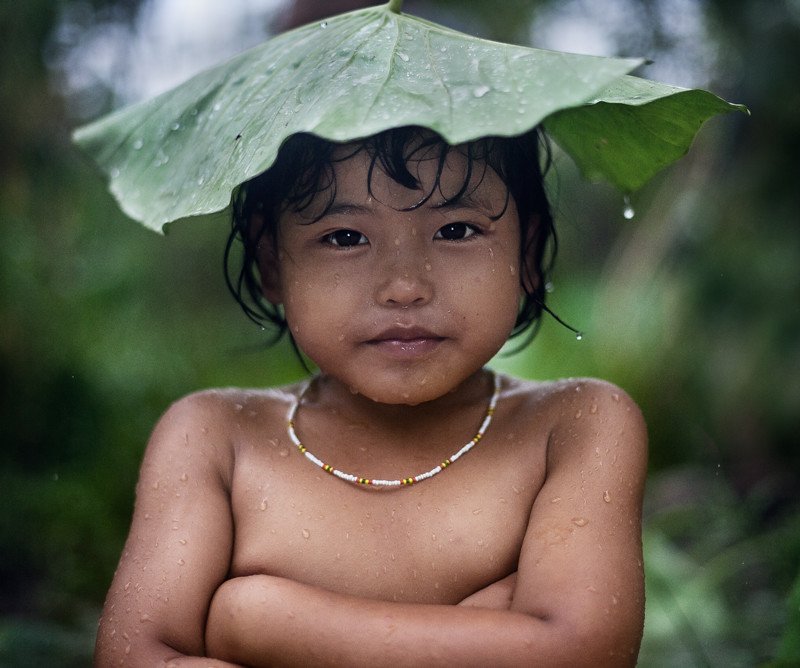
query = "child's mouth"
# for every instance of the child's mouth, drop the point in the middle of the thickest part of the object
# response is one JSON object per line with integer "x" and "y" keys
{"x": 406, "y": 342}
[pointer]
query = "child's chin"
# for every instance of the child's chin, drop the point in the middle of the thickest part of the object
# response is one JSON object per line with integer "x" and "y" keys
{"x": 413, "y": 393}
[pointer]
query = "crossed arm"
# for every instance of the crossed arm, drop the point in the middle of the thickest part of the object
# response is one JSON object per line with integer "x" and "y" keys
{"x": 576, "y": 599}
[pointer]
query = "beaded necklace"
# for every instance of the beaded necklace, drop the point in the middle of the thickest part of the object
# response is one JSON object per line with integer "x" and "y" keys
{"x": 349, "y": 477}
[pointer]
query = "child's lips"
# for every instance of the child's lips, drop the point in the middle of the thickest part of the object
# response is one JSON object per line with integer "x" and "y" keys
{"x": 406, "y": 342}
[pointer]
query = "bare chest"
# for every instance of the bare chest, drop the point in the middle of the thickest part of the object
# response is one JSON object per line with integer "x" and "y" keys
{"x": 435, "y": 542}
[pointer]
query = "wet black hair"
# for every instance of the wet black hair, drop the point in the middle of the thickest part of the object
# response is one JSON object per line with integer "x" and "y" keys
{"x": 304, "y": 170}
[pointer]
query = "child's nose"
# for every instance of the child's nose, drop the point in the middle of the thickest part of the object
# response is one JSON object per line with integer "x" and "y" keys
{"x": 405, "y": 283}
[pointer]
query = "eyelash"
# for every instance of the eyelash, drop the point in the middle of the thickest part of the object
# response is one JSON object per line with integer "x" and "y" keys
{"x": 331, "y": 238}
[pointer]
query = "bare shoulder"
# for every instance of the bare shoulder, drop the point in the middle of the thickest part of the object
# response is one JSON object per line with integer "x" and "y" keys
{"x": 576, "y": 407}
{"x": 209, "y": 421}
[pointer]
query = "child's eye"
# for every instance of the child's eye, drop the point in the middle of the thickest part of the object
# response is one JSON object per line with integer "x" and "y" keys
{"x": 456, "y": 232}
{"x": 345, "y": 238}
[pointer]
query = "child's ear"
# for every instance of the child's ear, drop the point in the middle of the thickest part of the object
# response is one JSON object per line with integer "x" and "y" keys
{"x": 268, "y": 260}
{"x": 530, "y": 276}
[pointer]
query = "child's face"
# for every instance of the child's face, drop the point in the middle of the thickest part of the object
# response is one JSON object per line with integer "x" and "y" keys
{"x": 401, "y": 306}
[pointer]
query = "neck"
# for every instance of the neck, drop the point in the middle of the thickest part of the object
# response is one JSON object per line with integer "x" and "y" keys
{"x": 330, "y": 393}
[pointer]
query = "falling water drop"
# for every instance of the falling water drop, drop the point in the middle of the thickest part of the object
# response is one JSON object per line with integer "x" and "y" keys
{"x": 579, "y": 336}
{"x": 628, "y": 212}
{"x": 323, "y": 25}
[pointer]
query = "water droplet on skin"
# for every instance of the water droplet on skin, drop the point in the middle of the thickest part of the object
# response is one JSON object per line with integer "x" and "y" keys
{"x": 615, "y": 397}
{"x": 127, "y": 586}
{"x": 181, "y": 562}
{"x": 284, "y": 452}
{"x": 263, "y": 505}
{"x": 184, "y": 477}
{"x": 182, "y": 541}
{"x": 578, "y": 415}
{"x": 580, "y": 521}
{"x": 480, "y": 91}
{"x": 145, "y": 618}
{"x": 606, "y": 497}
{"x": 340, "y": 337}
{"x": 306, "y": 534}
{"x": 593, "y": 409}
{"x": 137, "y": 145}
{"x": 628, "y": 212}
{"x": 477, "y": 511}
{"x": 428, "y": 267}
{"x": 175, "y": 126}
{"x": 555, "y": 500}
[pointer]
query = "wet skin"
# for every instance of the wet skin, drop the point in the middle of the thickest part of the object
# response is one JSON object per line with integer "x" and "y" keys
{"x": 242, "y": 549}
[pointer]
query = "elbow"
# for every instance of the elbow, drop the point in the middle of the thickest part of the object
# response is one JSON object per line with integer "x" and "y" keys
{"x": 116, "y": 646}
{"x": 588, "y": 641}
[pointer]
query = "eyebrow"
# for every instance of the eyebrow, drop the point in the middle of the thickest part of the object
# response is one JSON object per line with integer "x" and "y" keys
{"x": 338, "y": 208}
{"x": 468, "y": 201}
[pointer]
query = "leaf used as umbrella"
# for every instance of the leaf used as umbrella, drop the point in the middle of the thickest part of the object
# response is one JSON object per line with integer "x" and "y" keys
{"x": 186, "y": 151}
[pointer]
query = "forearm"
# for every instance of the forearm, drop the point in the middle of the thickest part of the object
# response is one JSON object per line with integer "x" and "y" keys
{"x": 263, "y": 620}
{"x": 150, "y": 653}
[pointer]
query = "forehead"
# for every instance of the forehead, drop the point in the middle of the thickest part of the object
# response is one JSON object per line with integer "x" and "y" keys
{"x": 440, "y": 174}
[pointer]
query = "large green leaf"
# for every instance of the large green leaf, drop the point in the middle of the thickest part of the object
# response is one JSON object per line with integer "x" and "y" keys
{"x": 183, "y": 153}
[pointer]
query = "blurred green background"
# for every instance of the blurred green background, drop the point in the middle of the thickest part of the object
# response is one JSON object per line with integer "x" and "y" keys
{"x": 693, "y": 307}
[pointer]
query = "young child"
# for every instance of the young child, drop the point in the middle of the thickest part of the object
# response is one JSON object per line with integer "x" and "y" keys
{"x": 399, "y": 265}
